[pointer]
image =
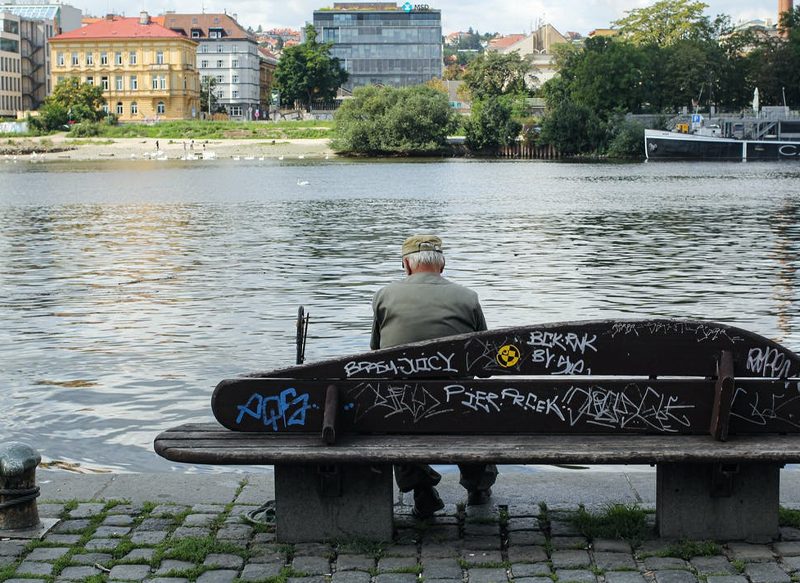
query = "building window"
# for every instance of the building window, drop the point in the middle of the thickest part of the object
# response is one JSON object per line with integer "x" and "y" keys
{"x": 219, "y": 63}
{"x": 203, "y": 48}
{"x": 90, "y": 58}
{"x": 134, "y": 85}
{"x": 120, "y": 110}
{"x": 90, "y": 80}
{"x": 204, "y": 64}
{"x": 161, "y": 108}
{"x": 155, "y": 82}
{"x": 104, "y": 58}
{"x": 162, "y": 82}
{"x": 235, "y": 79}
{"x": 74, "y": 59}
{"x": 118, "y": 59}
{"x": 214, "y": 34}
{"x": 195, "y": 34}
{"x": 235, "y": 63}
{"x": 235, "y": 94}
{"x": 104, "y": 83}
{"x": 235, "y": 111}
{"x": 134, "y": 108}
{"x": 219, "y": 48}
{"x": 60, "y": 59}
{"x": 118, "y": 83}
{"x": 105, "y": 108}
{"x": 220, "y": 79}
{"x": 219, "y": 94}
{"x": 159, "y": 57}
{"x": 132, "y": 58}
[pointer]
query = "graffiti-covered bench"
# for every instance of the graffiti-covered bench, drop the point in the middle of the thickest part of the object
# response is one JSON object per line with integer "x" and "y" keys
{"x": 715, "y": 408}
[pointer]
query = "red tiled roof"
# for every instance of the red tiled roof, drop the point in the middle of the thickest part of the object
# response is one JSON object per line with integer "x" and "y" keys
{"x": 118, "y": 27}
{"x": 505, "y": 41}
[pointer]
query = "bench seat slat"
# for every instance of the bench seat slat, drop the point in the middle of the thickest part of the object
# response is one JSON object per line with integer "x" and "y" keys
{"x": 211, "y": 444}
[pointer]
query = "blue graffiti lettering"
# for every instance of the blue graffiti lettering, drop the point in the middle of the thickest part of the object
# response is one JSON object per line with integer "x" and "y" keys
{"x": 276, "y": 411}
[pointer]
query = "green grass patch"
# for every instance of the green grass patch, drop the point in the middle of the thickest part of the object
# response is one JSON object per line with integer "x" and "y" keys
{"x": 739, "y": 565}
{"x": 787, "y": 517}
{"x": 196, "y": 549}
{"x": 371, "y": 548}
{"x": 215, "y": 130}
{"x": 617, "y": 521}
{"x": 686, "y": 549}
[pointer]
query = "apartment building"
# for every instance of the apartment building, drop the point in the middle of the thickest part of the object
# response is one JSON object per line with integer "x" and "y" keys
{"x": 10, "y": 66}
{"x": 383, "y": 43}
{"x": 227, "y": 53}
{"x": 147, "y": 72}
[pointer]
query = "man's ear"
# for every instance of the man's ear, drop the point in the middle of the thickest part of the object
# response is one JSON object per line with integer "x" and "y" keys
{"x": 442, "y": 269}
{"x": 406, "y": 266}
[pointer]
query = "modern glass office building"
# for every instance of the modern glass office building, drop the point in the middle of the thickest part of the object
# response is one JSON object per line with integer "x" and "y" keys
{"x": 383, "y": 43}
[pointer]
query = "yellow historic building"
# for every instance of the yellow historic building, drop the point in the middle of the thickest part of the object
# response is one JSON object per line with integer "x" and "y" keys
{"x": 147, "y": 72}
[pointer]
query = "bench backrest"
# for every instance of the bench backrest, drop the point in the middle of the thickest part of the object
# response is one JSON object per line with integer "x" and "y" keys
{"x": 650, "y": 376}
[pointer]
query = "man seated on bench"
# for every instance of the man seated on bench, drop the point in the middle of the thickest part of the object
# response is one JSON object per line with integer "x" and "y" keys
{"x": 423, "y": 306}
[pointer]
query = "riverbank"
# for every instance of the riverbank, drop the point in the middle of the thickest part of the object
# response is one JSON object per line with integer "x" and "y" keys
{"x": 182, "y": 527}
{"x": 62, "y": 147}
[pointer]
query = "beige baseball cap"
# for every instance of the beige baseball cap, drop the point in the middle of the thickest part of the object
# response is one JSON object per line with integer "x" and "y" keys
{"x": 417, "y": 243}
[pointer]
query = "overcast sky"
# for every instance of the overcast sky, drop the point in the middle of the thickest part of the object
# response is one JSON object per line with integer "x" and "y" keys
{"x": 504, "y": 16}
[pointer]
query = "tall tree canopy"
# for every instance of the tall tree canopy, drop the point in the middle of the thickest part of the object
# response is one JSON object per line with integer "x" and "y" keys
{"x": 307, "y": 72}
{"x": 495, "y": 74}
{"x": 665, "y": 22}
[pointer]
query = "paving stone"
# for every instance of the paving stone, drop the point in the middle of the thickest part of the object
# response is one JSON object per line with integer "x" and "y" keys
{"x": 575, "y": 576}
{"x": 569, "y": 542}
{"x": 530, "y": 570}
{"x": 86, "y": 510}
{"x": 129, "y": 572}
{"x": 400, "y": 551}
{"x": 71, "y": 526}
{"x": 156, "y": 524}
{"x": 717, "y": 565}
{"x": 526, "y": 537}
{"x": 149, "y": 537}
{"x": 481, "y": 529}
{"x": 496, "y": 575}
{"x": 665, "y": 564}
{"x": 441, "y": 533}
{"x": 11, "y": 548}
{"x": 350, "y": 577}
{"x": 787, "y": 549}
{"x": 101, "y": 544}
{"x": 311, "y": 565}
{"x": 261, "y": 538}
{"x": 139, "y": 556}
{"x": 558, "y": 528}
{"x": 7, "y": 561}
{"x": 750, "y": 553}
{"x": 523, "y": 523}
{"x": 389, "y": 564}
{"x": 235, "y": 532}
{"x": 570, "y": 559}
{"x": 315, "y": 579}
{"x": 208, "y": 509}
{"x": 675, "y": 577}
{"x": 90, "y": 558}
{"x": 262, "y": 555}
{"x": 479, "y": 557}
{"x": 605, "y": 545}
{"x": 118, "y": 520}
{"x": 396, "y": 578}
{"x": 32, "y": 568}
{"x": 444, "y": 550}
{"x": 190, "y": 532}
{"x": 766, "y": 573}
{"x": 78, "y": 573}
{"x": 655, "y": 547}
{"x": 260, "y": 571}
{"x": 47, "y": 554}
{"x": 169, "y": 565}
{"x": 50, "y": 510}
{"x": 224, "y": 561}
{"x": 792, "y": 564}
{"x": 168, "y": 580}
{"x": 220, "y": 576}
{"x": 313, "y": 550}
{"x": 530, "y": 580}
{"x": 487, "y": 543}
{"x": 789, "y": 533}
{"x": 63, "y": 539}
{"x": 608, "y": 561}
{"x": 526, "y": 554}
{"x": 133, "y": 509}
{"x": 354, "y": 563}
{"x": 624, "y": 577}
{"x": 111, "y": 531}
{"x": 199, "y": 520}
{"x": 441, "y": 569}
{"x": 168, "y": 510}
{"x": 727, "y": 579}
{"x": 25, "y": 580}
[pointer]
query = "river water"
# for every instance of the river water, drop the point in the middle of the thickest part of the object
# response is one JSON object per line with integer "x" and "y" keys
{"x": 129, "y": 289}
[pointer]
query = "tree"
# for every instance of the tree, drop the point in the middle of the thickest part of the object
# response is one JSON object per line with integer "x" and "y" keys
{"x": 307, "y": 72}
{"x": 665, "y": 22}
{"x": 208, "y": 95}
{"x": 495, "y": 74}
{"x": 573, "y": 129}
{"x": 386, "y": 120}
{"x": 491, "y": 125}
{"x": 71, "y": 101}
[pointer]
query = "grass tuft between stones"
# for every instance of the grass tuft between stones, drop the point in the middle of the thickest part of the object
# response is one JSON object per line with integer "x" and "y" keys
{"x": 687, "y": 549}
{"x": 787, "y": 517}
{"x": 616, "y": 521}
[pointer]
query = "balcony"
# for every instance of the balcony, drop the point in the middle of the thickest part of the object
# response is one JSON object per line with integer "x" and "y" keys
{"x": 160, "y": 67}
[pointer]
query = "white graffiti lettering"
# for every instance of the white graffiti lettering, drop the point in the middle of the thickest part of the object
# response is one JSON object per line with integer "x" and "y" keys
{"x": 396, "y": 399}
{"x": 401, "y": 366}
{"x": 768, "y": 362}
{"x": 577, "y": 343}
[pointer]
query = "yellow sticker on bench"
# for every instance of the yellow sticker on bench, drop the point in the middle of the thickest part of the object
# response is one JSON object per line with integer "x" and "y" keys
{"x": 508, "y": 356}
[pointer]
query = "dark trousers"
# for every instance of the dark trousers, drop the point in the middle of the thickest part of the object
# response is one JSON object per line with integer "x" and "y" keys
{"x": 473, "y": 476}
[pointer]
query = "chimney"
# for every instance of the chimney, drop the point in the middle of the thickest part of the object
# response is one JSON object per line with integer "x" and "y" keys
{"x": 784, "y": 6}
{"x": 144, "y": 17}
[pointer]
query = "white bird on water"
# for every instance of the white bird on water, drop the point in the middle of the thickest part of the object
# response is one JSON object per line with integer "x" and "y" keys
{"x": 302, "y": 182}
{"x": 301, "y": 157}
{"x": 280, "y": 157}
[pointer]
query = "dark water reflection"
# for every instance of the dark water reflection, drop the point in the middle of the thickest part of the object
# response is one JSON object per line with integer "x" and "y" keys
{"x": 128, "y": 290}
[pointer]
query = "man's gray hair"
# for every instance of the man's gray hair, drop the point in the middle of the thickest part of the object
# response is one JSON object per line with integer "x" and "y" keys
{"x": 435, "y": 258}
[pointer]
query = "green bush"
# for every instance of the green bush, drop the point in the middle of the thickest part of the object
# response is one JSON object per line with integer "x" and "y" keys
{"x": 386, "y": 120}
{"x": 574, "y": 128}
{"x": 85, "y": 129}
{"x": 627, "y": 140}
{"x": 491, "y": 125}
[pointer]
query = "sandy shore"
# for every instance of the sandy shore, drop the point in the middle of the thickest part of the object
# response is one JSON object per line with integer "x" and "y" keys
{"x": 60, "y": 147}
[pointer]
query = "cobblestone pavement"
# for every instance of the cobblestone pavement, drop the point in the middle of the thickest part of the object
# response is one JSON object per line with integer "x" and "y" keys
{"x": 212, "y": 543}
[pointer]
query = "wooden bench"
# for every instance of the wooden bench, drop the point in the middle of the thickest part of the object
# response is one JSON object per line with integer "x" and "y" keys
{"x": 715, "y": 408}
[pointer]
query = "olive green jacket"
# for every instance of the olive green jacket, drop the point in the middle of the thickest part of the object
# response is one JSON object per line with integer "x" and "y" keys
{"x": 421, "y": 307}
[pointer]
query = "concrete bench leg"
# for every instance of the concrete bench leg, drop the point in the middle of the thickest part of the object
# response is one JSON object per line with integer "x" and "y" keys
{"x": 718, "y": 501}
{"x": 316, "y": 503}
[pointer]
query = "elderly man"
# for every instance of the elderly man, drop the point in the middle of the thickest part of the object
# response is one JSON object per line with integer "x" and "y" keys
{"x": 423, "y": 306}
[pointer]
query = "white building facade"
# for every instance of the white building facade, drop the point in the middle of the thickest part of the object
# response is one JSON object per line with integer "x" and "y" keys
{"x": 10, "y": 65}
